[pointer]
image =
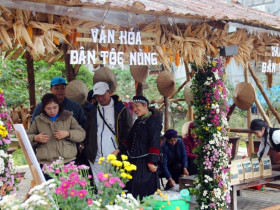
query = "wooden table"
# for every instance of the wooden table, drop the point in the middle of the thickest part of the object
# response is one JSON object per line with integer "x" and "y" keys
{"x": 242, "y": 185}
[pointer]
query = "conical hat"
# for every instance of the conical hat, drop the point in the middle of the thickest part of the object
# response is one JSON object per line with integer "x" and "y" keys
{"x": 244, "y": 95}
{"x": 166, "y": 83}
{"x": 77, "y": 91}
{"x": 139, "y": 73}
{"x": 185, "y": 128}
{"x": 105, "y": 74}
{"x": 187, "y": 92}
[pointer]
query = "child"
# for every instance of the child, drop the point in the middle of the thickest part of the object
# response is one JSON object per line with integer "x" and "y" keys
{"x": 270, "y": 136}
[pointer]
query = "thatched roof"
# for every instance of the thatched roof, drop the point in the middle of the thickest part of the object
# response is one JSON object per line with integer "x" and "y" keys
{"x": 115, "y": 12}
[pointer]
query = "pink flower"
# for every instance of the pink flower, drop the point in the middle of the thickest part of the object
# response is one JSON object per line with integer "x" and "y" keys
{"x": 121, "y": 184}
{"x": 112, "y": 180}
{"x": 64, "y": 184}
{"x": 65, "y": 170}
{"x": 117, "y": 179}
{"x": 72, "y": 192}
{"x": 57, "y": 171}
{"x": 83, "y": 183}
{"x": 89, "y": 176}
{"x": 99, "y": 191}
{"x": 64, "y": 194}
{"x": 89, "y": 201}
{"x": 107, "y": 184}
{"x": 58, "y": 190}
{"x": 82, "y": 193}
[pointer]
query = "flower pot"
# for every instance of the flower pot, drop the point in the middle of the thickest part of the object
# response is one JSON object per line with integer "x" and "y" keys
{"x": 180, "y": 203}
{"x": 235, "y": 144}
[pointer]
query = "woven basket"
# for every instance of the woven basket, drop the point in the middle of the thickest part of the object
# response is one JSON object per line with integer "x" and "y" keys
{"x": 105, "y": 74}
{"x": 77, "y": 91}
{"x": 139, "y": 73}
{"x": 166, "y": 83}
{"x": 244, "y": 95}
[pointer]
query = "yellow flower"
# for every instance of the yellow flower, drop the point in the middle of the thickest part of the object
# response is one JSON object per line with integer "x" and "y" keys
{"x": 123, "y": 175}
{"x": 101, "y": 159}
{"x": 99, "y": 162}
{"x": 219, "y": 128}
{"x": 126, "y": 163}
{"x": 214, "y": 64}
{"x": 128, "y": 176}
{"x": 116, "y": 163}
{"x": 122, "y": 170}
{"x": 123, "y": 192}
{"x": 111, "y": 202}
{"x": 111, "y": 157}
{"x": 105, "y": 175}
{"x": 158, "y": 190}
{"x": 161, "y": 194}
{"x": 124, "y": 157}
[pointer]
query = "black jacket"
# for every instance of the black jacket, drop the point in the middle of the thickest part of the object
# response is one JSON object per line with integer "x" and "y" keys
{"x": 123, "y": 123}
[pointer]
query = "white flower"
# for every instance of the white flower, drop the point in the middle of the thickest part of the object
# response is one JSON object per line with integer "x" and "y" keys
{"x": 202, "y": 118}
{"x": 96, "y": 203}
{"x": 204, "y": 193}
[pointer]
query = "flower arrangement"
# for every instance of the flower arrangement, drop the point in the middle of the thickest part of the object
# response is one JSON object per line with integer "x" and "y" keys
{"x": 70, "y": 188}
{"x": 8, "y": 180}
{"x": 210, "y": 105}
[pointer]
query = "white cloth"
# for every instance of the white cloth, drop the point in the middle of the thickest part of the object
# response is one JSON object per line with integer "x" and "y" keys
{"x": 106, "y": 141}
{"x": 275, "y": 139}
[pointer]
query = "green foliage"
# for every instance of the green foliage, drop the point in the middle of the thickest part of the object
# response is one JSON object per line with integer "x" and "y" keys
{"x": 19, "y": 158}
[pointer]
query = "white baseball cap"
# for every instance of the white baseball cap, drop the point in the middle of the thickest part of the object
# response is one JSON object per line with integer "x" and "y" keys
{"x": 100, "y": 88}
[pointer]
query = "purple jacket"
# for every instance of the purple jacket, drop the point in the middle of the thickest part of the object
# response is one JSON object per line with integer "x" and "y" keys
{"x": 190, "y": 143}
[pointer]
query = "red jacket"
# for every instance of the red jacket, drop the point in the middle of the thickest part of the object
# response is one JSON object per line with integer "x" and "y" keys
{"x": 190, "y": 143}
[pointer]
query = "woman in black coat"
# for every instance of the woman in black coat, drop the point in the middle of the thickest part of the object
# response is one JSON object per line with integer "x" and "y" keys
{"x": 142, "y": 147}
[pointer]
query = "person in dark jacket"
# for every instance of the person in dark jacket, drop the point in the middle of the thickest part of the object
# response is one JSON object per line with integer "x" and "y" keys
{"x": 191, "y": 142}
{"x": 142, "y": 147}
{"x": 175, "y": 161}
{"x": 107, "y": 126}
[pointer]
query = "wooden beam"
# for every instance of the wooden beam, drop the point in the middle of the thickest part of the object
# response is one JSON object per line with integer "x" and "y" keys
{"x": 70, "y": 71}
{"x": 273, "y": 110}
{"x": 265, "y": 117}
{"x": 31, "y": 81}
{"x": 249, "y": 115}
{"x": 166, "y": 114}
{"x": 239, "y": 130}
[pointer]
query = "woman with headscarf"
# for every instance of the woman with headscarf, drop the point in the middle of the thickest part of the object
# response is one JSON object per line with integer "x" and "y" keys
{"x": 191, "y": 142}
{"x": 142, "y": 147}
{"x": 175, "y": 161}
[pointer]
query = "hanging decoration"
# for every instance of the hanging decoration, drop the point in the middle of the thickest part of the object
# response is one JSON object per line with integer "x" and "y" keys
{"x": 210, "y": 106}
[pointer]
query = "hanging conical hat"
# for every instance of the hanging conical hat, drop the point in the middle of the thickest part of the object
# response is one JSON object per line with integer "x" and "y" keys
{"x": 166, "y": 83}
{"x": 139, "y": 73}
{"x": 77, "y": 91}
{"x": 185, "y": 128}
{"x": 244, "y": 95}
{"x": 105, "y": 74}
{"x": 187, "y": 92}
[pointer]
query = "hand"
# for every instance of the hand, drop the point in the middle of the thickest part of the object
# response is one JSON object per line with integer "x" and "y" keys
{"x": 61, "y": 134}
{"x": 116, "y": 152}
{"x": 171, "y": 182}
{"x": 152, "y": 167}
{"x": 186, "y": 172}
{"x": 42, "y": 137}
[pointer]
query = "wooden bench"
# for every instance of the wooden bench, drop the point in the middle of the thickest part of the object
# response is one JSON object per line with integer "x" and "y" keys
{"x": 188, "y": 180}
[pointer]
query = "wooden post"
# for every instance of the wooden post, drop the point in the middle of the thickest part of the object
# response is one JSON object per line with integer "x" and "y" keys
{"x": 189, "y": 116}
{"x": 139, "y": 88}
{"x": 70, "y": 71}
{"x": 265, "y": 117}
{"x": 31, "y": 81}
{"x": 249, "y": 117}
{"x": 273, "y": 110}
{"x": 166, "y": 114}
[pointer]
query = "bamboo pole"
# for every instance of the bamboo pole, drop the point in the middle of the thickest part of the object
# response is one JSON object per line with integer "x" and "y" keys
{"x": 273, "y": 110}
{"x": 239, "y": 130}
{"x": 189, "y": 116}
{"x": 31, "y": 81}
{"x": 265, "y": 117}
{"x": 249, "y": 116}
{"x": 170, "y": 100}
{"x": 166, "y": 114}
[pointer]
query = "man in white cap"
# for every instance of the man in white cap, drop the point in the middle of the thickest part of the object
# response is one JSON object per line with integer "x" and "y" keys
{"x": 107, "y": 126}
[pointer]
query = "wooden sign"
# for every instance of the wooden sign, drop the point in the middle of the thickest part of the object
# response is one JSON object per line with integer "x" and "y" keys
{"x": 38, "y": 177}
{"x": 271, "y": 66}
